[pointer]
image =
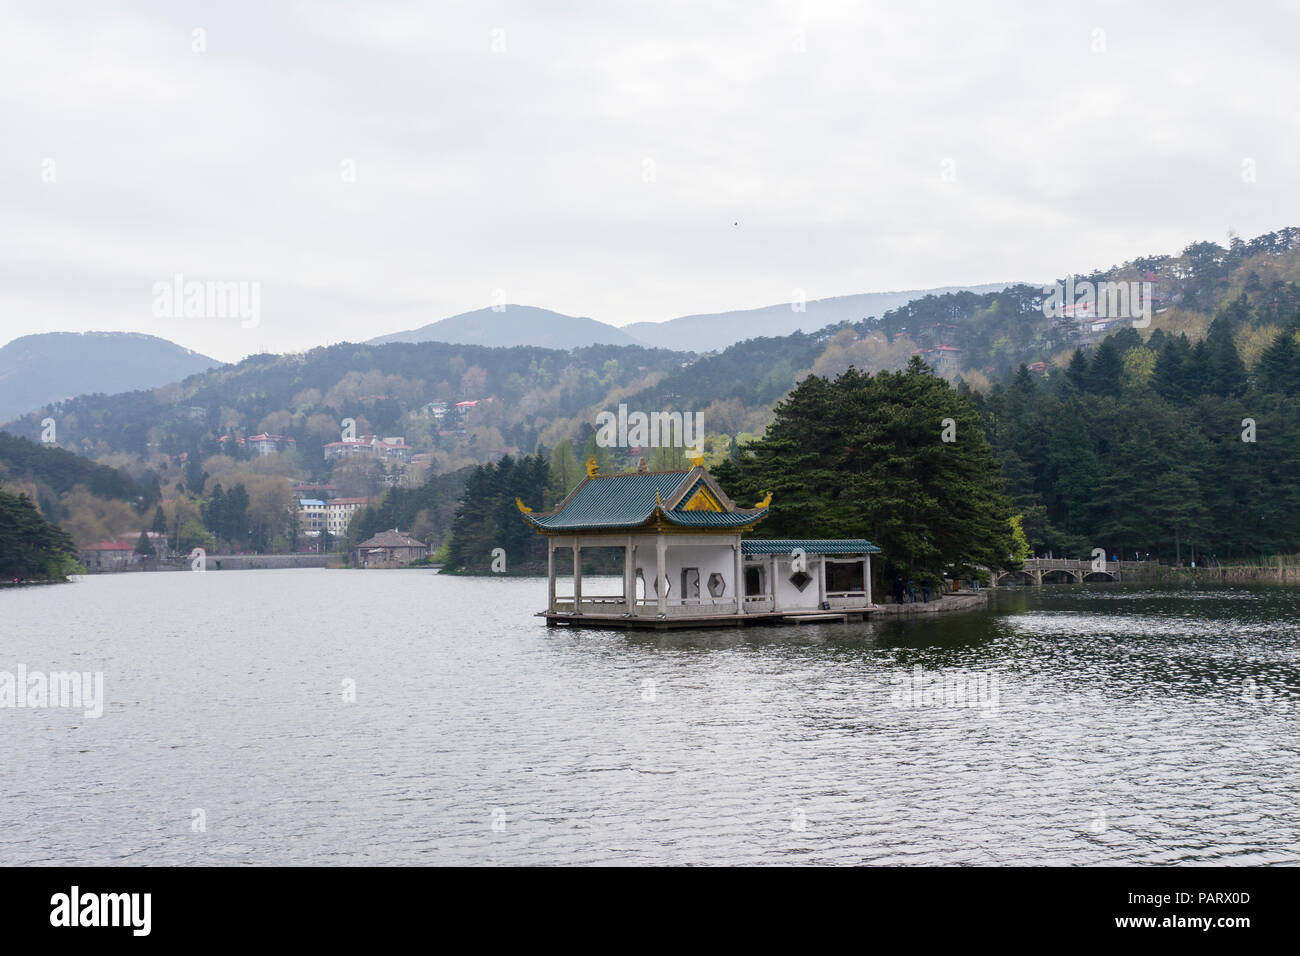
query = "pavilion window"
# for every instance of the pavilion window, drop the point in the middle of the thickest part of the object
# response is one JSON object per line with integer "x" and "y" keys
{"x": 717, "y": 585}
{"x": 690, "y": 584}
{"x": 844, "y": 577}
{"x": 754, "y": 581}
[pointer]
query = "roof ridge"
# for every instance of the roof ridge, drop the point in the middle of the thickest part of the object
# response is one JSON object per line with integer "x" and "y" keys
{"x": 631, "y": 474}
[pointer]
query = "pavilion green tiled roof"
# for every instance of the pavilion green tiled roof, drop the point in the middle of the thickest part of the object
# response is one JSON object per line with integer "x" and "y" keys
{"x": 809, "y": 546}
{"x": 611, "y": 502}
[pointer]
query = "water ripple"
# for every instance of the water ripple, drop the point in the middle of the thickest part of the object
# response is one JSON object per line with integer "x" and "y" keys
{"x": 1065, "y": 726}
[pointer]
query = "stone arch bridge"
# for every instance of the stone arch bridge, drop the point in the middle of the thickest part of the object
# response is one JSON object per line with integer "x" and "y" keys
{"x": 1039, "y": 571}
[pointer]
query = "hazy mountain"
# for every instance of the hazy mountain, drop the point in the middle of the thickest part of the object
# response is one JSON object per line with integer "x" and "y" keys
{"x": 707, "y": 333}
{"x": 516, "y": 325}
{"x": 38, "y": 369}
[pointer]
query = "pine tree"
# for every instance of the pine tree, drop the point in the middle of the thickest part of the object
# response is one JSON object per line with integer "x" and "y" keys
{"x": 214, "y": 511}
{"x": 1278, "y": 371}
{"x": 865, "y": 456}
{"x": 488, "y": 518}
{"x": 1200, "y": 370}
{"x": 1227, "y": 372}
{"x": 1077, "y": 371}
{"x": 1105, "y": 370}
{"x": 143, "y": 546}
{"x": 1171, "y": 378}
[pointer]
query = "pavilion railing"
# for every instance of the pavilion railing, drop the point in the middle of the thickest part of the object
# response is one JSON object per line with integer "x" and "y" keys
{"x": 846, "y": 598}
{"x": 694, "y": 608}
{"x": 649, "y": 607}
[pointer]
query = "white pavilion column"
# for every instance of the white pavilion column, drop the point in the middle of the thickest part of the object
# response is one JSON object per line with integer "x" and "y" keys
{"x": 738, "y": 583}
{"x": 866, "y": 577}
{"x": 629, "y": 576}
{"x": 661, "y": 581}
{"x": 550, "y": 575}
{"x": 821, "y": 582}
{"x": 577, "y": 576}
{"x": 771, "y": 578}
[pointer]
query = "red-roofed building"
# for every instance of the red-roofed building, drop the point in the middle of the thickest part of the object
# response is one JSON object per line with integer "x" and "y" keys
{"x": 107, "y": 555}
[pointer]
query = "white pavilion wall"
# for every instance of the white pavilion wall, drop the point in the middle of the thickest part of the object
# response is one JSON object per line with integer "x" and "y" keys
{"x": 787, "y": 595}
{"x": 708, "y": 558}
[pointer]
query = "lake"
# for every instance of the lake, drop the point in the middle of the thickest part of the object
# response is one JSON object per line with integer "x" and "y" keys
{"x": 1065, "y": 725}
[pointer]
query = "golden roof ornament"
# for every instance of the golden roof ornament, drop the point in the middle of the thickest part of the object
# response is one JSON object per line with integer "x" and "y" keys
{"x": 697, "y": 460}
{"x": 519, "y": 503}
{"x": 641, "y": 465}
{"x": 765, "y": 502}
{"x": 592, "y": 467}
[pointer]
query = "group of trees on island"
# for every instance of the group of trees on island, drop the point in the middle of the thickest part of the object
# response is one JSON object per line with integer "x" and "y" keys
{"x": 32, "y": 549}
{"x": 899, "y": 458}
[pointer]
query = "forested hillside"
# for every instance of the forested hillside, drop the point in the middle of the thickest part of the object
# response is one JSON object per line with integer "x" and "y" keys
{"x": 997, "y": 332}
{"x": 383, "y": 388}
{"x": 1108, "y": 435}
{"x": 88, "y": 500}
{"x": 1163, "y": 447}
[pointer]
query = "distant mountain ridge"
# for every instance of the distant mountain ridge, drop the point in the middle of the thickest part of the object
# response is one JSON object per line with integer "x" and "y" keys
{"x": 516, "y": 325}
{"x": 714, "y": 331}
{"x": 36, "y": 370}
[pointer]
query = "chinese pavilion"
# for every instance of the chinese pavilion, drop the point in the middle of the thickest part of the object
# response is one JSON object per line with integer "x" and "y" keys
{"x": 685, "y": 561}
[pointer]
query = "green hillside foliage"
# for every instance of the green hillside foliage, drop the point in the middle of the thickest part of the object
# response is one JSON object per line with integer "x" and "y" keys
{"x": 60, "y": 470}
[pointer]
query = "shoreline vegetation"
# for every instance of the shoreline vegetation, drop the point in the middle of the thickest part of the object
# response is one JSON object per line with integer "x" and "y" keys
{"x": 32, "y": 549}
{"x": 1260, "y": 573}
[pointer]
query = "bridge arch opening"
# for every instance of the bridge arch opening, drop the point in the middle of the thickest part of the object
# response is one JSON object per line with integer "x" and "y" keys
{"x": 1015, "y": 579}
{"x": 1059, "y": 576}
{"x": 1099, "y": 576}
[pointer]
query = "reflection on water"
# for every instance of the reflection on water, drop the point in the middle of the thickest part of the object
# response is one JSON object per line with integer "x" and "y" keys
{"x": 1066, "y": 725}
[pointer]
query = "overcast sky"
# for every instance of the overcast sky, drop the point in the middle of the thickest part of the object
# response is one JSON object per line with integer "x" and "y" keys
{"x": 622, "y": 161}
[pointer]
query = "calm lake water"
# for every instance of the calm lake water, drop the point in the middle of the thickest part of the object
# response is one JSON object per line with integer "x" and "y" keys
{"x": 1065, "y": 726}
